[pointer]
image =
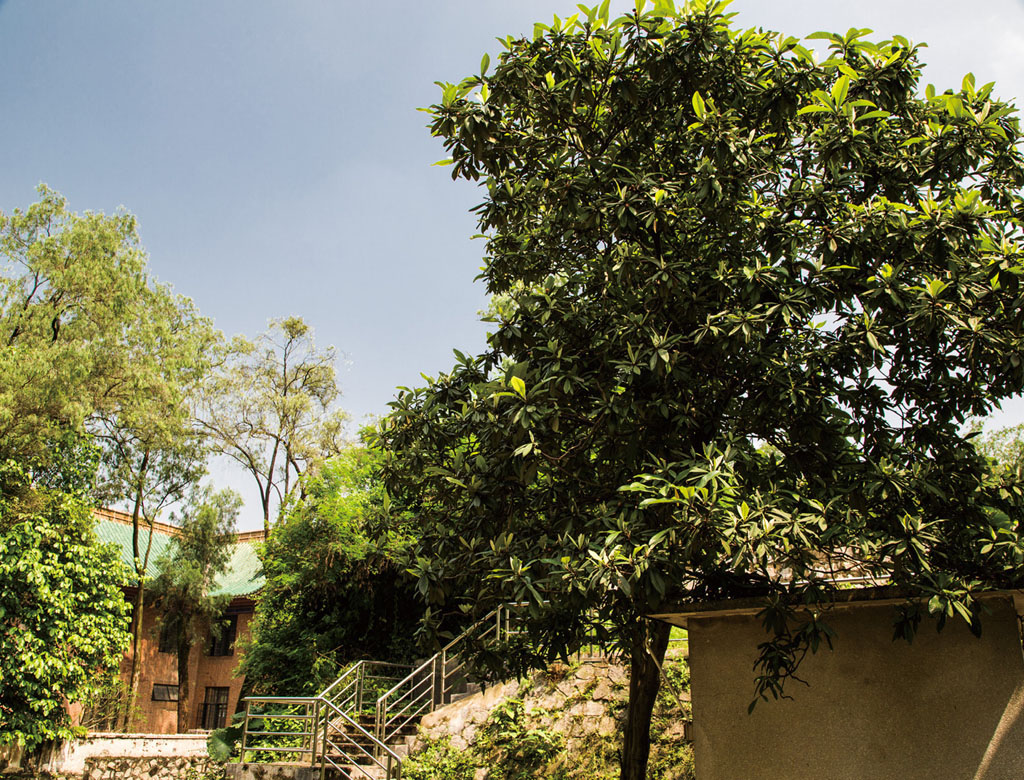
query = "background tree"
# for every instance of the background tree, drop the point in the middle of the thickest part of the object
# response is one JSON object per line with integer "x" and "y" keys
{"x": 73, "y": 294}
{"x": 184, "y": 585}
{"x": 270, "y": 408}
{"x": 63, "y": 618}
{"x": 153, "y": 452}
{"x": 335, "y": 591}
{"x": 749, "y": 300}
{"x": 95, "y": 347}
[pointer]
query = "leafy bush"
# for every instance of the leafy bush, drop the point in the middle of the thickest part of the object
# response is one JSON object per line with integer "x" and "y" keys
{"x": 440, "y": 761}
{"x": 63, "y": 616}
{"x": 334, "y": 592}
{"x": 512, "y": 749}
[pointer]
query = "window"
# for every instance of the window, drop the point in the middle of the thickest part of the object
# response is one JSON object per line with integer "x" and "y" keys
{"x": 225, "y": 643}
{"x": 214, "y": 714}
{"x": 165, "y": 692}
{"x": 168, "y": 640}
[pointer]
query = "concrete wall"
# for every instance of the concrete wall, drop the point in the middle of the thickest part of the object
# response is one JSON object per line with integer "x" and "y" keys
{"x": 113, "y": 757}
{"x": 949, "y": 706}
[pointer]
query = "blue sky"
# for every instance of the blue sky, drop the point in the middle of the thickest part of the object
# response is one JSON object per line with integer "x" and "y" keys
{"x": 274, "y": 157}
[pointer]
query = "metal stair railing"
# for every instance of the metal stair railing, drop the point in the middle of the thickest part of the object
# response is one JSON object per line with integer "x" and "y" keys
{"x": 380, "y": 755}
{"x": 328, "y": 722}
{"x": 318, "y": 718}
{"x": 272, "y": 714}
{"x": 361, "y": 684}
{"x": 433, "y": 682}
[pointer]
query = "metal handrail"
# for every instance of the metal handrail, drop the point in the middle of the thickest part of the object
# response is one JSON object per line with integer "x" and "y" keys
{"x": 294, "y": 701}
{"x": 388, "y": 722}
{"x": 421, "y": 690}
{"x": 323, "y": 733}
{"x": 383, "y": 756}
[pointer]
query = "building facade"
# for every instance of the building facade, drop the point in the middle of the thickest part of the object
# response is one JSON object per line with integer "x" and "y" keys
{"x": 215, "y": 686}
{"x": 947, "y": 705}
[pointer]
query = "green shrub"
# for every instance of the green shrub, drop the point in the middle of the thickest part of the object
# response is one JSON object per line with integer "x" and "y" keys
{"x": 510, "y": 748}
{"x": 440, "y": 761}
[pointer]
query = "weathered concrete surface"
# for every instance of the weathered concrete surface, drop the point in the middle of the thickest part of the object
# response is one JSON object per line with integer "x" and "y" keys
{"x": 143, "y": 746}
{"x": 948, "y": 706}
{"x": 283, "y": 771}
{"x": 113, "y": 757}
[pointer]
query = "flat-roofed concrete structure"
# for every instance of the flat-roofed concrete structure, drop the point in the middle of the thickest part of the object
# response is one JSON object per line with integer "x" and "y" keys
{"x": 948, "y": 706}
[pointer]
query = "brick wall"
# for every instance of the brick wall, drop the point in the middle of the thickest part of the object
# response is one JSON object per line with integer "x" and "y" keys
{"x": 205, "y": 671}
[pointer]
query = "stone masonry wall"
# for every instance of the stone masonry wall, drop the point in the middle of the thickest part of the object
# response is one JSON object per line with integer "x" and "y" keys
{"x": 577, "y": 701}
{"x": 152, "y": 768}
{"x": 115, "y": 757}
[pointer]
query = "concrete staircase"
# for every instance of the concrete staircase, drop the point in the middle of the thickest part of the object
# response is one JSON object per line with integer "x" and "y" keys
{"x": 335, "y": 733}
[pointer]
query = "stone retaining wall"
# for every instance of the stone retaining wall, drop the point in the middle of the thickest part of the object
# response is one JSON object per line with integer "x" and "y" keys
{"x": 154, "y": 768}
{"x": 113, "y": 757}
{"x": 577, "y": 701}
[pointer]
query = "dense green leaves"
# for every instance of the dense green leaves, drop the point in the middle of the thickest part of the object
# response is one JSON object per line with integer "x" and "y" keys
{"x": 87, "y": 335}
{"x": 745, "y": 302}
{"x": 335, "y": 591}
{"x": 63, "y": 617}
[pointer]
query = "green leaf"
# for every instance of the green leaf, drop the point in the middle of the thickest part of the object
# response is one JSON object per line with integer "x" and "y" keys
{"x": 484, "y": 64}
{"x": 840, "y": 89}
{"x": 519, "y": 386}
{"x": 698, "y": 105}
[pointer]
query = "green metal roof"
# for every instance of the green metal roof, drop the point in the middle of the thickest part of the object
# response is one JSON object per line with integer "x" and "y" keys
{"x": 244, "y": 575}
{"x": 242, "y": 578}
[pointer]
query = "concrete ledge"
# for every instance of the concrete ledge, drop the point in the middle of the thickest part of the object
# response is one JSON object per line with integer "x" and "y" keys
{"x": 70, "y": 758}
{"x": 105, "y": 745}
{"x": 280, "y": 772}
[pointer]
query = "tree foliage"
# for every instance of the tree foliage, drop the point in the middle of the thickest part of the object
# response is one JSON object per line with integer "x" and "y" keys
{"x": 84, "y": 326}
{"x": 335, "y": 590}
{"x": 63, "y": 617}
{"x": 186, "y": 575}
{"x": 270, "y": 409}
{"x": 93, "y": 344}
{"x": 747, "y": 300}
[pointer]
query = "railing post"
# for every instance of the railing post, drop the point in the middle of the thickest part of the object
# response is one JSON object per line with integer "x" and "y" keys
{"x": 245, "y": 727}
{"x": 323, "y": 752}
{"x": 359, "y": 688}
{"x": 315, "y": 731}
{"x": 379, "y": 724}
{"x": 436, "y": 699}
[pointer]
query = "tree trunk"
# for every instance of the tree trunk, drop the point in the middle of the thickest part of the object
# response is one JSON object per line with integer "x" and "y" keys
{"x": 184, "y": 694}
{"x": 136, "y": 667}
{"x": 140, "y": 571}
{"x": 650, "y": 640}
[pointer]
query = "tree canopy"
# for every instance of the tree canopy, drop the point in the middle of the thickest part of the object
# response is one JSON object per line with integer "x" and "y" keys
{"x": 88, "y": 334}
{"x": 335, "y": 589}
{"x": 270, "y": 408}
{"x": 746, "y": 299}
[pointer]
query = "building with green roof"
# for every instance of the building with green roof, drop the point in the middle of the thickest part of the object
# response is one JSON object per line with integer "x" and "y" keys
{"x": 215, "y": 686}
